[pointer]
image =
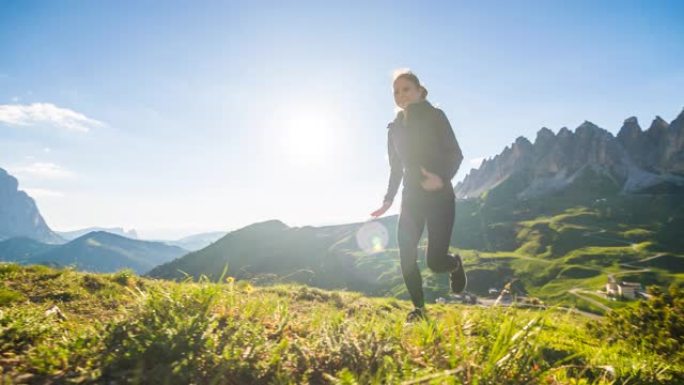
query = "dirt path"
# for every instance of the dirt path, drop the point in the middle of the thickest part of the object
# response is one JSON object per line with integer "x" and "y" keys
{"x": 576, "y": 292}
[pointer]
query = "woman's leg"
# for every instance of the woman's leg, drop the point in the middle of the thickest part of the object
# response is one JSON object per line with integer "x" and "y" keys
{"x": 440, "y": 222}
{"x": 409, "y": 231}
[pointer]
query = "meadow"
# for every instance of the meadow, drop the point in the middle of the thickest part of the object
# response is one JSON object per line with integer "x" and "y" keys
{"x": 63, "y": 326}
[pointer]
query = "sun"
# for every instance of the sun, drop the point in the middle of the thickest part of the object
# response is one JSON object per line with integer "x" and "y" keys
{"x": 307, "y": 136}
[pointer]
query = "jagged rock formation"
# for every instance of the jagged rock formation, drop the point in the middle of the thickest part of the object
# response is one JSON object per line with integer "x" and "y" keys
{"x": 19, "y": 215}
{"x": 635, "y": 161}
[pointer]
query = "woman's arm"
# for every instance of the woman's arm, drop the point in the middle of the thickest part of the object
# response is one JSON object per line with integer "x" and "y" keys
{"x": 396, "y": 170}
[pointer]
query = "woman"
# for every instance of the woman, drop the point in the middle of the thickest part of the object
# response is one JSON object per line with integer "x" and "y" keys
{"x": 422, "y": 150}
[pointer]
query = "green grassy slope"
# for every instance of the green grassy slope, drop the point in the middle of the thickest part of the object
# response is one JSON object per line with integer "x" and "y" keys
{"x": 137, "y": 330}
{"x": 573, "y": 241}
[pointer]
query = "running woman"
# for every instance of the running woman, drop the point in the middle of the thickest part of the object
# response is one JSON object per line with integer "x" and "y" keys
{"x": 424, "y": 152}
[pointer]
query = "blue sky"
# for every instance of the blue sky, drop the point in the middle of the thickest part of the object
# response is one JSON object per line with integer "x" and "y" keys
{"x": 178, "y": 117}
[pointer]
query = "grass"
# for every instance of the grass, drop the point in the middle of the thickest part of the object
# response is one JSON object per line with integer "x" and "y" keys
{"x": 132, "y": 330}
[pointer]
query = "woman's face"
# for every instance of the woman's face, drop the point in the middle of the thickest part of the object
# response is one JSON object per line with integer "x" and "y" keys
{"x": 405, "y": 92}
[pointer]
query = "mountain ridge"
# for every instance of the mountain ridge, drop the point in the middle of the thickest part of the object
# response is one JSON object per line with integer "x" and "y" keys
{"x": 96, "y": 251}
{"x": 636, "y": 159}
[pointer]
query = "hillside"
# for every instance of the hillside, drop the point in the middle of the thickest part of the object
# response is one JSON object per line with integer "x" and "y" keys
{"x": 20, "y": 249}
{"x": 97, "y": 251}
{"x": 575, "y": 240}
{"x": 60, "y": 326}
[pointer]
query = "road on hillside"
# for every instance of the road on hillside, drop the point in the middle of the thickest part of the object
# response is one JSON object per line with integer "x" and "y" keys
{"x": 489, "y": 302}
{"x": 577, "y": 292}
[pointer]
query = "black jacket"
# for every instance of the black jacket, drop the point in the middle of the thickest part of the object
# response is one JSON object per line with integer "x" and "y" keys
{"x": 424, "y": 138}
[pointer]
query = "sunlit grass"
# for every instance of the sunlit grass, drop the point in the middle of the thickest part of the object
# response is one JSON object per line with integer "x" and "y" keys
{"x": 135, "y": 330}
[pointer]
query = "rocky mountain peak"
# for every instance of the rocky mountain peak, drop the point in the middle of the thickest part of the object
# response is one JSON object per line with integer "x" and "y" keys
{"x": 659, "y": 125}
{"x": 633, "y": 161}
{"x": 678, "y": 124}
{"x": 8, "y": 184}
{"x": 630, "y": 129}
{"x": 19, "y": 215}
{"x": 522, "y": 141}
{"x": 564, "y": 132}
{"x": 587, "y": 128}
{"x": 544, "y": 135}
{"x": 631, "y": 121}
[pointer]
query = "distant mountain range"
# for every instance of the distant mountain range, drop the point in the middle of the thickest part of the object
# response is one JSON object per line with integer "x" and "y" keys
{"x": 634, "y": 161}
{"x": 191, "y": 242}
{"x": 196, "y": 241}
{"x": 97, "y": 251}
{"x": 71, "y": 235}
{"x": 25, "y": 237}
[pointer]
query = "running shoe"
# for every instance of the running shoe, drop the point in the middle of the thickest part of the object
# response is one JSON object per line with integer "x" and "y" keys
{"x": 416, "y": 314}
{"x": 457, "y": 277}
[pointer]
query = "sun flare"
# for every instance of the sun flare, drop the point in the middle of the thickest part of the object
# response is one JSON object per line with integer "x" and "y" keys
{"x": 308, "y": 136}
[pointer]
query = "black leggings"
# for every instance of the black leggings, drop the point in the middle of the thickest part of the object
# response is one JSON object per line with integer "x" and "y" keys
{"x": 437, "y": 209}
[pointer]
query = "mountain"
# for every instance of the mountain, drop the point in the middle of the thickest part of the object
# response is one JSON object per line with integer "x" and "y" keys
{"x": 196, "y": 241}
{"x": 97, "y": 251}
{"x": 20, "y": 249}
{"x": 634, "y": 161}
{"x": 325, "y": 256}
{"x": 71, "y": 235}
{"x": 19, "y": 215}
{"x": 190, "y": 243}
{"x": 264, "y": 247}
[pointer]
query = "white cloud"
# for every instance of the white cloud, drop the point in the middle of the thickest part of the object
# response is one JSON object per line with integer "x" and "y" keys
{"x": 46, "y": 113}
{"x": 42, "y": 193}
{"x": 41, "y": 170}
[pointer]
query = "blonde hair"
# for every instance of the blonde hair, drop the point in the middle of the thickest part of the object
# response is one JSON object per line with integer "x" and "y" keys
{"x": 409, "y": 75}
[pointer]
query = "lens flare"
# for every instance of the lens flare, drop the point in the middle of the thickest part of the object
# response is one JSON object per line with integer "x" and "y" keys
{"x": 372, "y": 237}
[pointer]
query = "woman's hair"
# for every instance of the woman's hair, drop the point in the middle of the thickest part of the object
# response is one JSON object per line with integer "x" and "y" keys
{"x": 409, "y": 75}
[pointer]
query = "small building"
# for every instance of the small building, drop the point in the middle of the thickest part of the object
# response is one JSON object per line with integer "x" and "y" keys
{"x": 624, "y": 289}
{"x": 629, "y": 289}
{"x": 612, "y": 289}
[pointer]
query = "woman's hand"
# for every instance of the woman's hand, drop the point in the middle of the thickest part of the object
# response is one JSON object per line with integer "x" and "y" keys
{"x": 432, "y": 182}
{"x": 385, "y": 206}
